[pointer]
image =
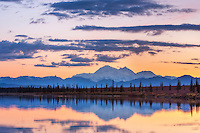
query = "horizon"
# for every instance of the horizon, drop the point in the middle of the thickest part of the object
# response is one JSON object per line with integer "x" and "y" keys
{"x": 97, "y": 70}
{"x": 46, "y": 38}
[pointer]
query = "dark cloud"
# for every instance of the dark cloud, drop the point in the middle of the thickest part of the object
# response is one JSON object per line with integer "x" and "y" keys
{"x": 63, "y": 122}
{"x": 108, "y": 58}
{"x": 196, "y": 59}
{"x": 7, "y": 129}
{"x": 110, "y": 128}
{"x": 152, "y": 53}
{"x": 59, "y": 15}
{"x": 185, "y": 63}
{"x": 24, "y": 50}
{"x": 42, "y": 65}
{"x": 75, "y": 126}
{"x": 63, "y": 63}
{"x": 76, "y": 58}
{"x": 38, "y": 21}
{"x": 59, "y": 40}
{"x": 10, "y": 0}
{"x": 103, "y": 8}
{"x": 150, "y": 29}
{"x": 24, "y": 36}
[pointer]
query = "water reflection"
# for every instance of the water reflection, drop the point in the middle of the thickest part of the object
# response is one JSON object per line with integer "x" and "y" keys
{"x": 76, "y": 114}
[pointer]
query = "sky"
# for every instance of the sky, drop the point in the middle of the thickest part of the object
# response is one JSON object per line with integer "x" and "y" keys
{"x": 67, "y": 37}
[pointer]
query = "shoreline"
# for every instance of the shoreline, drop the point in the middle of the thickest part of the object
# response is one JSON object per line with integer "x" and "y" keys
{"x": 124, "y": 97}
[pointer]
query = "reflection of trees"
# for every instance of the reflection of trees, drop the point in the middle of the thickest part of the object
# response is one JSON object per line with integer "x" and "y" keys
{"x": 110, "y": 102}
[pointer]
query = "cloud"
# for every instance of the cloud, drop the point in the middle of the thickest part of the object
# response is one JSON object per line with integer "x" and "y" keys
{"x": 76, "y": 58}
{"x": 63, "y": 122}
{"x": 24, "y": 36}
{"x": 24, "y": 50}
{"x": 195, "y": 59}
{"x": 185, "y": 63}
{"x": 109, "y": 128}
{"x": 152, "y": 53}
{"x": 59, "y": 40}
{"x": 63, "y": 63}
{"x": 75, "y": 126}
{"x": 105, "y": 8}
{"x": 108, "y": 58}
{"x": 42, "y": 65}
{"x": 38, "y": 21}
{"x": 150, "y": 29}
{"x": 10, "y": 0}
{"x": 59, "y": 15}
{"x": 7, "y": 129}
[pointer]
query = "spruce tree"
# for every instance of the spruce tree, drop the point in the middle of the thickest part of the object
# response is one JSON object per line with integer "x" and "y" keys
{"x": 197, "y": 85}
{"x": 150, "y": 88}
{"x": 140, "y": 86}
{"x": 178, "y": 86}
{"x": 121, "y": 88}
{"x": 170, "y": 87}
{"x": 191, "y": 85}
{"x": 161, "y": 86}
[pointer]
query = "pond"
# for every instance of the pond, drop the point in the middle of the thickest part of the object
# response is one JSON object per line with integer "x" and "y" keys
{"x": 48, "y": 114}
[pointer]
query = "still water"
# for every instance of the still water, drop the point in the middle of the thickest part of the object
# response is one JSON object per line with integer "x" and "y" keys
{"x": 42, "y": 114}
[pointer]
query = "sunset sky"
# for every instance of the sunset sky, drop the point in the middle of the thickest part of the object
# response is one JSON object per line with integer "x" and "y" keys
{"x": 68, "y": 37}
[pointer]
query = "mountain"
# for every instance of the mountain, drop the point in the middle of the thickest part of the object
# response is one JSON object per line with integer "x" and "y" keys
{"x": 102, "y": 77}
{"x": 122, "y": 74}
{"x": 145, "y": 74}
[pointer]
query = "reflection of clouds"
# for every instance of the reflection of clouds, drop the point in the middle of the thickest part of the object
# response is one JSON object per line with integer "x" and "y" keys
{"x": 54, "y": 121}
{"x": 10, "y": 129}
{"x": 74, "y": 125}
{"x": 185, "y": 124}
{"x": 109, "y": 128}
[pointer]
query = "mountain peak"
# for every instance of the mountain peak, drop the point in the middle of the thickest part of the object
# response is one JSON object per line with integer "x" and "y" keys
{"x": 125, "y": 69}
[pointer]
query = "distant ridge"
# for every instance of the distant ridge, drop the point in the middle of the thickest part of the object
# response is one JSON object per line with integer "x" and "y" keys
{"x": 122, "y": 74}
{"x": 104, "y": 75}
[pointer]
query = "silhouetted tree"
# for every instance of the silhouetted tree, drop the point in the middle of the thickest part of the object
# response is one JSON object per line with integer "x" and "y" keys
{"x": 150, "y": 88}
{"x": 113, "y": 89}
{"x": 86, "y": 89}
{"x": 191, "y": 86}
{"x": 140, "y": 86}
{"x": 197, "y": 85}
{"x": 106, "y": 89}
{"x": 121, "y": 88}
{"x": 131, "y": 87}
{"x": 161, "y": 86}
{"x": 96, "y": 90}
{"x": 170, "y": 87}
{"x": 178, "y": 86}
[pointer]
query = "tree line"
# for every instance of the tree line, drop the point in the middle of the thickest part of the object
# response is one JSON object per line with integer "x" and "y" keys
{"x": 193, "y": 87}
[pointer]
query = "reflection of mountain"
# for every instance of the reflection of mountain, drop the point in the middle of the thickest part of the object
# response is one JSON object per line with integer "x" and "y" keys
{"x": 105, "y": 109}
{"x": 103, "y": 76}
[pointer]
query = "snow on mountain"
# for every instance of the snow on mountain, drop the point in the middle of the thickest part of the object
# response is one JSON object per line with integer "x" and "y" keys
{"x": 122, "y": 74}
{"x": 145, "y": 74}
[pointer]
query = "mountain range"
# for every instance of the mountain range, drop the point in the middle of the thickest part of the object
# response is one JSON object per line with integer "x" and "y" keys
{"x": 104, "y": 75}
{"x": 122, "y": 74}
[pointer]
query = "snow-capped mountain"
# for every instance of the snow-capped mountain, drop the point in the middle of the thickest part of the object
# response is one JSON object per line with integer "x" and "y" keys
{"x": 122, "y": 74}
